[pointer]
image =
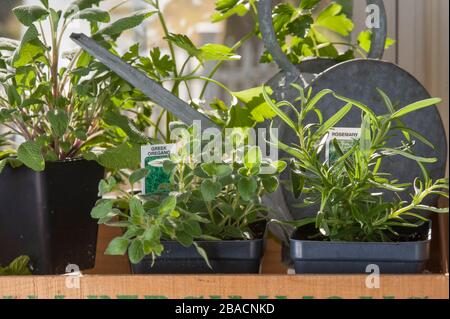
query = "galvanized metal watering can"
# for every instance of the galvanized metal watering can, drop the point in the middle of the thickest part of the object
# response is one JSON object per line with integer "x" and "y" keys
{"x": 358, "y": 80}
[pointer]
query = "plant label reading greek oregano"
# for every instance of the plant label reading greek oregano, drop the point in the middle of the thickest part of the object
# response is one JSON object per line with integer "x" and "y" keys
{"x": 152, "y": 158}
{"x": 345, "y": 137}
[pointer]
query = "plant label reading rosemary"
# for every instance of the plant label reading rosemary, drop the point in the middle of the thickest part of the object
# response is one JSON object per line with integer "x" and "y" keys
{"x": 152, "y": 158}
{"x": 346, "y": 138}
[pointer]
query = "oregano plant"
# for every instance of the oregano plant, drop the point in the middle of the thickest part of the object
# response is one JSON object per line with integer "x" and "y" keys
{"x": 218, "y": 200}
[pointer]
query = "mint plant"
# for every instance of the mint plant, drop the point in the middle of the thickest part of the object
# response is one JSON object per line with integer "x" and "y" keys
{"x": 61, "y": 112}
{"x": 350, "y": 192}
{"x": 203, "y": 201}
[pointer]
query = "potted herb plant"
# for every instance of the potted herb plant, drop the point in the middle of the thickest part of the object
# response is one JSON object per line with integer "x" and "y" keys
{"x": 18, "y": 267}
{"x": 361, "y": 220}
{"x": 56, "y": 116}
{"x": 208, "y": 219}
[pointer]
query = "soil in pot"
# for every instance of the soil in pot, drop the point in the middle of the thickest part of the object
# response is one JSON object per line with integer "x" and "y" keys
{"x": 407, "y": 253}
{"x": 46, "y": 215}
{"x": 225, "y": 257}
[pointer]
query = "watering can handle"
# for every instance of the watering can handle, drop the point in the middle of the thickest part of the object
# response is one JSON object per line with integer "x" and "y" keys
{"x": 140, "y": 80}
{"x": 271, "y": 42}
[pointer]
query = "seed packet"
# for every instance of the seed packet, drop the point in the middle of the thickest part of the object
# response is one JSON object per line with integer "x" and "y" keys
{"x": 152, "y": 158}
{"x": 346, "y": 138}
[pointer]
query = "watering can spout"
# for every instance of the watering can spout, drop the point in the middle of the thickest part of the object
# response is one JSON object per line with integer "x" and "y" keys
{"x": 183, "y": 111}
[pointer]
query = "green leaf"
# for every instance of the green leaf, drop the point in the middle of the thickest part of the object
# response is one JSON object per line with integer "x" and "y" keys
{"x": 433, "y": 209}
{"x": 414, "y": 133}
{"x": 414, "y": 107}
{"x": 192, "y": 228}
{"x": 106, "y": 186}
{"x": 117, "y": 247}
{"x": 138, "y": 175}
{"x": 14, "y": 98}
{"x": 270, "y": 184}
{"x": 8, "y": 44}
{"x": 279, "y": 166}
{"x": 124, "y": 123}
{"x": 331, "y": 19}
{"x": 169, "y": 166}
{"x": 184, "y": 238}
{"x": 297, "y": 223}
{"x": 121, "y": 157}
{"x": 240, "y": 117}
{"x": 240, "y": 10}
{"x": 59, "y": 121}
{"x": 93, "y": 15}
{"x": 30, "y": 154}
{"x": 308, "y": 4}
{"x": 55, "y": 18}
{"x": 313, "y": 101}
{"x": 30, "y": 47}
{"x": 79, "y": 5}
{"x": 152, "y": 234}
{"x": 298, "y": 182}
{"x": 210, "y": 189}
{"x": 102, "y": 209}
{"x": 27, "y": 15}
{"x": 136, "y": 251}
{"x": 217, "y": 52}
{"x": 136, "y": 210}
{"x": 365, "y": 41}
{"x": 115, "y": 29}
{"x": 2, "y": 164}
{"x": 282, "y": 14}
{"x": 253, "y": 157}
{"x": 202, "y": 253}
{"x": 387, "y": 101}
{"x": 163, "y": 63}
{"x": 410, "y": 156}
{"x": 300, "y": 26}
{"x": 225, "y": 5}
{"x": 219, "y": 170}
{"x": 332, "y": 121}
{"x": 247, "y": 187}
{"x": 278, "y": 111}
{"x": 363, "y": 107}
{"x": 255, "y": 104}
{"x": 18, "y": 267}
{"x": 365, "y": 142}
{"x": 44, "y": 3}
{"x": 290, "y": 150}
{"x": 182, "y": 41}
{"x": 168, "y": 205}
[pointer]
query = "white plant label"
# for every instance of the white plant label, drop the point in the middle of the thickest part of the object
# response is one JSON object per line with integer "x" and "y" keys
{"x": 346, "y": 138}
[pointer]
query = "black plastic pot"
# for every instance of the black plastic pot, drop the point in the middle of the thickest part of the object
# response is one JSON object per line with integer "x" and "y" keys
{"x": 46, "y": 215}
{"x": 225, "y": 257}
{"x": 324, "y": 257}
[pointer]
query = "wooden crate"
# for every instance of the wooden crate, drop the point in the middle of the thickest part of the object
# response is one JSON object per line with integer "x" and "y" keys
{"x": 111, "y": 278}
{"x": 252, "y": 286}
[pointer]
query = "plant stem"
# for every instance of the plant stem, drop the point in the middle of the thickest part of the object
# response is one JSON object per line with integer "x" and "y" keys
{"x": 204, "y": 79}
{"x": 178, "y": 82}
{"x": 158, "y": 122}
{"x": 55, "y": 60}
{"x": 315, "y": 45}
{"x": 166, "y": 34}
